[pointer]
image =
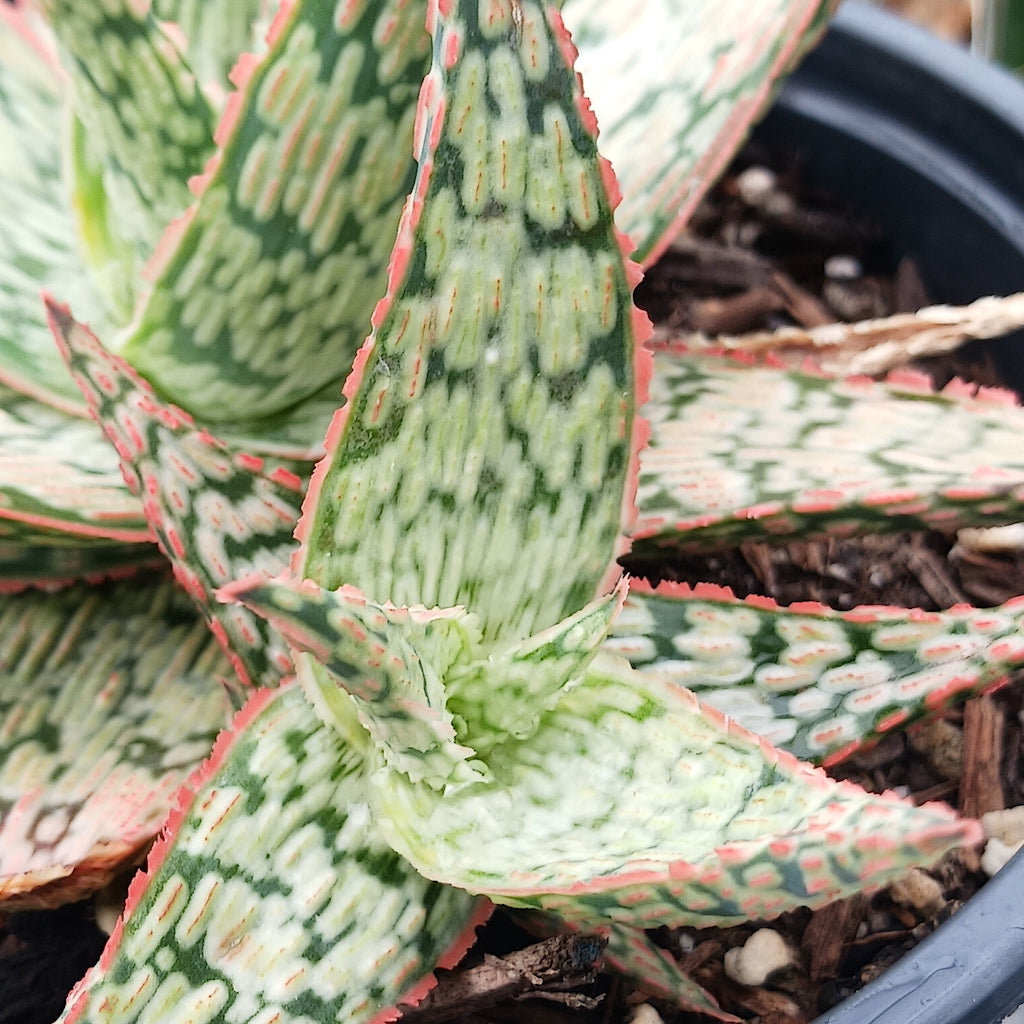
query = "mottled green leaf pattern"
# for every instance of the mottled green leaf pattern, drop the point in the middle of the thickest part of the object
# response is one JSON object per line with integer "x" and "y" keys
{"x": 59, "y": 477}
{"x": 817, "y": 682}
{"x": 217, "y": 513}
{"x": 277, "y": 901}
{"x": 108, "y": 699}
{"x": 40, "y": 249}
{"x": 405, "y": 666}
{"x": 504, "y": 692}
{"x": 675, "y": 85}
{"x": 657, "y": 972}
{"x": 265, "y": 290}
{"x": 630, "y": 803}
{"x": 481, "y": 472}
{"x": 29, "y": 560}
{"x": 672, "y": 815}
{"x": 489, "y": 430}
{"x": 213, "y": 33}
{"x": 391, "y": 660}
{"x": 741, "y": 452}
{"x": 145, "y": 130}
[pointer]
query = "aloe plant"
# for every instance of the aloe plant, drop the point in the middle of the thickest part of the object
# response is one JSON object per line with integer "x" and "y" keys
{"x": 426, "y": 635}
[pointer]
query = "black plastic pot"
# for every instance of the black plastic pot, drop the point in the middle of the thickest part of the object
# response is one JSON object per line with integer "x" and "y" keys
{"x": 924, "y": 138}
{"x": 929, "y": 142}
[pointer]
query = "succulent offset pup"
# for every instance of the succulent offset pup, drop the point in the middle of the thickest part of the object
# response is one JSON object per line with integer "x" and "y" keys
{"x": 446, "y": 696}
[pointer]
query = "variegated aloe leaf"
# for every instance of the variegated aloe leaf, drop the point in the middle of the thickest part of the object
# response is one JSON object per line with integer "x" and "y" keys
{"x": 675, "y": 85}
{"x": 264, "y": 291}
{"x": 632, "y": 953}
{"x": 430, "y": 692}
{"x": 27, "y": 563}
{"x": 273, "y": 898}
{"x": 741, "y": 452}
{"x": 211, "y": 34}
{"x": 391, "y": 661}
{"x": 631, "y": 804}
{"x": 817, "y": 682}
{"x": 490, "y": 423}
{"x": 40, "y": 249}
{"x": 672, "y": 815}
{"x": 144, "y": 129}
{"x": 503, "y": 693}
{"x": 217, "y": 513}
{"x": 108, "y": 701}
{"x": 59, "y": 478}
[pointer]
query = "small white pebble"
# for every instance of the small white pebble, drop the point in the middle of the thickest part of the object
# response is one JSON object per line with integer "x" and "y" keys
{"x": 843, "y": 268}
{"x": 756, "y": 184}
{"x": 991, "y": 538}
{"x": 108, "y": 907}
{"x": 997, "y": 854}
{"x": 919, "y": 891}
{"x": 645, "y": 1014}
{"x": 761, "y": 955}
{"x": 1006, "y": 825}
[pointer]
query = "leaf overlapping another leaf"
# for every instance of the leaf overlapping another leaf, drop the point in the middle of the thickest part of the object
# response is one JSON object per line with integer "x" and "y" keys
{"x": 676, "y": 85}
{"x": 502, "y": 377}
{"x": 672, "y": 816}
{"x": 276, "y": 901}
{"x": 742, "y": 452}
{"x": 216, "y": 513}
{"x": 264, "y": 290}
{"x": 145, "y": 128}
{"x": 94, "y": 739}
{"x": 817, "y": 682}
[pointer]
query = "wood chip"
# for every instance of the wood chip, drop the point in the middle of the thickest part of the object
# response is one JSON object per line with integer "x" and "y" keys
{"x": 981, "y": 788}
{"x": 804, "y": 307}
{"x": 829, "y": 933}
{"x": 704, "y": 261}
{"x": 564, "y": 961}
{"x": 737, "y": 312}
{"x": 933, "y": 573}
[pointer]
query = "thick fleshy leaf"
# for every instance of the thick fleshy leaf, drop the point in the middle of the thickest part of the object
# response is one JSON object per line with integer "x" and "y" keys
{"x": 217, "y": 514}
{"x": 631, "y": 803}
{"x": 143, "y": 129}
{"x": 272, "y": 897}
{"x": 490, "y": 425}
{"x": 504, "y": 692}
{"x": 211, "y": 35}
{"x": 744, "y": 452}
{"x": 675, "y": 85}
{"x": 391, "y": 660}
{"x": 40, "y": 249}
{"x": 265, "y": 289}
{"x": 27, "y": 561}
{"x": 403, "y": 666}
{"x": 59, "y": 478}
{"x": 814, "y": 681}
{"x": 108, "y": 699}
{"x": 631, "y": 953}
